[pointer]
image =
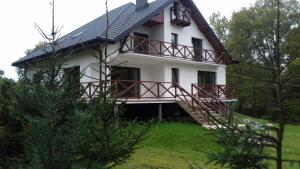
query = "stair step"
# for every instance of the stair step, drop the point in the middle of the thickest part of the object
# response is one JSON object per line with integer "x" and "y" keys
{"x": 197, "y": 111}
{"x": 196, "y": 115}
{"x": 210, "y": 126}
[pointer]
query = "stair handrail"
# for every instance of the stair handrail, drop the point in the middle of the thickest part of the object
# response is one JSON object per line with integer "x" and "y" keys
{"x": 210, "y": 118}
{"x": 215, "y": 101}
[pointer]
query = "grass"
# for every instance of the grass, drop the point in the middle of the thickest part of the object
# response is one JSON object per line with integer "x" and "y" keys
{"x": 172, "y": 145}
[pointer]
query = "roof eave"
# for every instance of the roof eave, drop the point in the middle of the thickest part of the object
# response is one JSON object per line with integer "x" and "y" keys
{"x": 27, "y": 61}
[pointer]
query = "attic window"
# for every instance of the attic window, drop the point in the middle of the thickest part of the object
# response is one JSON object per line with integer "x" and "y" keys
{"x": 75, "y": 36}
{"x": 62, "y": 39}
{"x": 78, "y": 34}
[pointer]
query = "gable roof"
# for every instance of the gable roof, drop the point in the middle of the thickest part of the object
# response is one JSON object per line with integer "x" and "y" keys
{"x": 122, "y": 21}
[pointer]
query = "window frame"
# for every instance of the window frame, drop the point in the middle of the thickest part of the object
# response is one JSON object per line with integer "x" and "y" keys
{"x": 211, "y": 77}
{"x": 175, "y": 73}
{"x": 74, "y": 81}
{"x": 174, "y": 36}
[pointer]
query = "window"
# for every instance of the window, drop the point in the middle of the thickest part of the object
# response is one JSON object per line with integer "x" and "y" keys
{"x": 206, "y": 77}
{"x": 37, "y": 77}
{"x": 175, "y": 76}
{"x": 72, "y": 79}
{"x": 129, "y": 76}
{"x": 197, "y": 44}
{"x": 174, "y": 39}
{"x": 141, "y": 44}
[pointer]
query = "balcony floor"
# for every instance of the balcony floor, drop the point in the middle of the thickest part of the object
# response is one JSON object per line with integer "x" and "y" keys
{"x": 139, "y": 57}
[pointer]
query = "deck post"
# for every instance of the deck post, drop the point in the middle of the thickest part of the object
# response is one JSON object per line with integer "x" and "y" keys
{"x": 160, "y": 112}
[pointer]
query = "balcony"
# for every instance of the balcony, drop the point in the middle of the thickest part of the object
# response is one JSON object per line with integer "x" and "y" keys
{"x": 180, "y": 15}
{"x": 169, "y": 50}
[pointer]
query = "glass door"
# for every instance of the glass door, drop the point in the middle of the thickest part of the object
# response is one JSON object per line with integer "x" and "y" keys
{"x": 141, "y": 43}
{"x": 197, "y": 44}
{"x": 207, "y": 81}
{"x": 126, "y": 80}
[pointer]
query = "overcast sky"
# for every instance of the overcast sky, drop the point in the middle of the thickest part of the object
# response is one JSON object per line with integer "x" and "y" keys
{"x": 17, "y": 18}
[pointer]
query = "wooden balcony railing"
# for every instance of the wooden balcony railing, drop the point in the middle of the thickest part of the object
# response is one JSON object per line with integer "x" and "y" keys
{"x": 166, "y": 49}
{"x": 180, "y": 15}
{"x": 127, "y": 89}
{"x": 207, "y": 90}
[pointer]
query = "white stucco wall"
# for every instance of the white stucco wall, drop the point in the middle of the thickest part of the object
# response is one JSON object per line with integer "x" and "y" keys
{"x": 221, "y": 75}
{"x": 188, "y": 74}
{"x": 185, "y": 34}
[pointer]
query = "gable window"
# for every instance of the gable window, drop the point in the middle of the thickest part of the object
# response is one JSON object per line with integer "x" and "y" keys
{"x": 175, "y": 76}
{"x": 174, "y": 39}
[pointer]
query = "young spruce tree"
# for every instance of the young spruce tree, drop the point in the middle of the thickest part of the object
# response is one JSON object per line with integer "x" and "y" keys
{"x": 46, "y": 103}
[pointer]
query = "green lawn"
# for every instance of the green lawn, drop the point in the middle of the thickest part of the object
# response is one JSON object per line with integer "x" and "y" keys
{"x": 172, "y": 145}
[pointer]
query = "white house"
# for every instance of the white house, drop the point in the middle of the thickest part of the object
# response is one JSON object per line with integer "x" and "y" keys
{"x": 166, "y": 51}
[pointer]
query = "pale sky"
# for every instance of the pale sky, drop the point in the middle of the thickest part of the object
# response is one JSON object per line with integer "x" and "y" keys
{"x": 17, "y": 19}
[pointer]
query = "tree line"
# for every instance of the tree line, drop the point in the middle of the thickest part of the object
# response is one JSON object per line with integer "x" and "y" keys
{"x": 250, "y": 37}
{"x": 264, "y": 39}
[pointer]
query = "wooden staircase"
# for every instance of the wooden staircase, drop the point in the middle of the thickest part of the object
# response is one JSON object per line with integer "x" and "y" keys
{"x": 209, "y": 110}
{"x": 194, "y": 114}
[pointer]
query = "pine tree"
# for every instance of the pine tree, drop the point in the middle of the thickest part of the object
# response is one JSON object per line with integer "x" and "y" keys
{"x": 11, "y": 138}
{"x": 47, "y": 101}
{"x": 107, "y": 139}
{"x": 48, "y": 107}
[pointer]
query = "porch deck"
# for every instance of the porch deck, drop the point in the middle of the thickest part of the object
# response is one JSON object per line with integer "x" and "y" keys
{"x": 203, "y": 103}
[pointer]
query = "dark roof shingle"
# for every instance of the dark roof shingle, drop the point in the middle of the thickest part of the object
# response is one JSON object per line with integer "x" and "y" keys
{"x": 121, "y": 21}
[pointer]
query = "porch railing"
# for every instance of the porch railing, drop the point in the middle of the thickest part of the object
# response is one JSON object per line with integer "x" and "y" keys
{"x": 166, "y": 49}
{"x": 208, "y": 102}
{"x": 129, "y": 89}
{"x": 219, "y": 91}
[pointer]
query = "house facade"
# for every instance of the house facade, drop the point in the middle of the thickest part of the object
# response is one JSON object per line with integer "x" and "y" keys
{"x": 160, "y": 52}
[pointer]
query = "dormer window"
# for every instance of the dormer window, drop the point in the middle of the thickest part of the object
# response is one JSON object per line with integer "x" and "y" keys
{"x": 180, "y": 15}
